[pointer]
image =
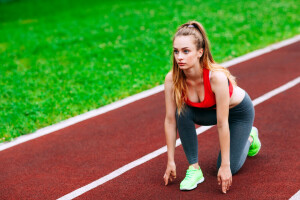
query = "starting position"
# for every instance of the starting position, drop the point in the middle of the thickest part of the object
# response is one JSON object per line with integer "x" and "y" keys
{"x": 198, "y": 90}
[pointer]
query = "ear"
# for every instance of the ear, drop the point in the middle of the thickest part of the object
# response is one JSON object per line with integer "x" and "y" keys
{"x": 200, "y": 53}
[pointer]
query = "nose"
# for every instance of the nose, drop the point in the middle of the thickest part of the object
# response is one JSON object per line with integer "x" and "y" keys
{"x": 180, "y": 56}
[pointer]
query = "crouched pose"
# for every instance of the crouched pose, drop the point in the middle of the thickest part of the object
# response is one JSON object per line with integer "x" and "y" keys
{"x": 198, "y": 90}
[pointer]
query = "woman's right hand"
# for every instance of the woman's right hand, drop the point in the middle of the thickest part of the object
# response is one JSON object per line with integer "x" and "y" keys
{"x": 170, "y": 173}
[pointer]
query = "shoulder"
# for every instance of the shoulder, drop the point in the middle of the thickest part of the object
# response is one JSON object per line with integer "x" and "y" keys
{"x": 218, "y": 77}
{"x": 169, "y": 76}
{"x": 169, "y": 81}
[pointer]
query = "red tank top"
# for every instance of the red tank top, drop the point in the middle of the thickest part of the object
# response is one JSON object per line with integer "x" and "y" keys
{"x": 209, "y": 97}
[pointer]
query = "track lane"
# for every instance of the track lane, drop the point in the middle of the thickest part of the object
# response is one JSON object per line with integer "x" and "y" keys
{"x": 272, "y": 174}
{"x": 79, "y": 154}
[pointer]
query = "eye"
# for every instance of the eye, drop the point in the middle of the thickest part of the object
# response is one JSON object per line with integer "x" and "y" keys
{"x": 186, "y": 51}
{"x": 176, "y": 51}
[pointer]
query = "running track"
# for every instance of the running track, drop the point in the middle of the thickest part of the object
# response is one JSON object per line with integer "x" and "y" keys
{"x": 54, "y": 165}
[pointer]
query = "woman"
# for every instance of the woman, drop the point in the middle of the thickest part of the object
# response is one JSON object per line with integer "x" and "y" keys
{"x": 197, "y": 90}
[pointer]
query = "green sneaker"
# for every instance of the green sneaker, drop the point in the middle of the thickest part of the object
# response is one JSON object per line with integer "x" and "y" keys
{"x": 192, "y": 178}
{"x": 256, "y": 145}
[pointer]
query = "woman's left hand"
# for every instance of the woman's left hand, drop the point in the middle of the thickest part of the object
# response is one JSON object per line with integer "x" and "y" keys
{"x": 225, "y": 177}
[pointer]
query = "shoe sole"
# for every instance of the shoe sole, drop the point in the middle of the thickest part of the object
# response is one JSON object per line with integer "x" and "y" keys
{"x": 200, "y": 181}
{"x": 258, "y": 141}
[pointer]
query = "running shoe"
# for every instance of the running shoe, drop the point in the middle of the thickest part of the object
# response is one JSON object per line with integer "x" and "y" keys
{"x": 256, "y": 144}
{"x": 192, "y": 178}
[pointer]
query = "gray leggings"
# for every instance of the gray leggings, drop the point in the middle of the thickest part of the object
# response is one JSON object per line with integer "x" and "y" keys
{"x": 240, "y": 121}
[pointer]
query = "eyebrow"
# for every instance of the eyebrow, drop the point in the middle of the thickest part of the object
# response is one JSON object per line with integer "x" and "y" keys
{"x": 182, "y": 48}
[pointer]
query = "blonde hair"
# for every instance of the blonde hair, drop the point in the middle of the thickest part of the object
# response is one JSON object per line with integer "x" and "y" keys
{"x": 195, "y": 29}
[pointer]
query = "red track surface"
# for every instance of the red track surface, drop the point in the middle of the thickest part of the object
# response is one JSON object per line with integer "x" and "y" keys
{"x": 54, "y": 165}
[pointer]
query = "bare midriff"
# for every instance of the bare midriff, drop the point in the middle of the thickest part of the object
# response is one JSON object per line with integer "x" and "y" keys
{"x": 237, "y": 96}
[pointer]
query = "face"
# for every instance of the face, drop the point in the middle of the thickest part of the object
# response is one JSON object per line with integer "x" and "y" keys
{"x": 185, "y": 52}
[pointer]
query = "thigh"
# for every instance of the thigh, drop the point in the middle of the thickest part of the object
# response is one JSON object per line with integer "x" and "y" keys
{"x": 240, "y": 124}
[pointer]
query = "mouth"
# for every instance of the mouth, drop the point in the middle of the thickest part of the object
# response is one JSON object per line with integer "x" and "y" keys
{"x": 181, "y": 64}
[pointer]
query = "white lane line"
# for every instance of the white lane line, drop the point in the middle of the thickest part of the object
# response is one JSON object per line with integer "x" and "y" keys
{"x": 125, "y": 168}
{"x": 259, "y": 52}
{"x": 276, "y": 91}
{"x": 128, "y": 100}
{"x": 79, "y": 118}
{"x": 162, "y": 150}
{"x": 295, "y": 196}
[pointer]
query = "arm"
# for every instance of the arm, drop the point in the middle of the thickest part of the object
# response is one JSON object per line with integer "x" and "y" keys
{"x": 219, "y": 85}
{"x": 170, "y": 128}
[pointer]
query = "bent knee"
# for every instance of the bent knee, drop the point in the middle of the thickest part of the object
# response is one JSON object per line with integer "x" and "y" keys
{"x": 235, "y": 169}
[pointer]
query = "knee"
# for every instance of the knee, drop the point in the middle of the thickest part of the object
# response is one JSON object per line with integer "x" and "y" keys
{"x": 235, "y": 167}
{"x": 234, "y": 170}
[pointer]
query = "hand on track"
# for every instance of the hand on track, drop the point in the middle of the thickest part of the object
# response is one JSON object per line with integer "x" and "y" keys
{"x": 170, "y": 173}
{"x": 225, "y": 178}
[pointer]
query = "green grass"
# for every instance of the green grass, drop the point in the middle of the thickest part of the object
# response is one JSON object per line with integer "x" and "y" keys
{"x": 64, "y": 58}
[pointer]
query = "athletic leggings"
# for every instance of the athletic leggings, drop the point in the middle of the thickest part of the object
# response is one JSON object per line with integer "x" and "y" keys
{"x": 240, "y": 120}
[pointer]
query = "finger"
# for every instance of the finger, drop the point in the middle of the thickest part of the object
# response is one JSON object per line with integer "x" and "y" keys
{"x": 219, "y": 180}
{"x": 224, "y": 186}
{"x": 228, "y": 185}
{"x": 172, "y": 177}
{"x": 166, "y": 177}
{"x": 174, "y": 174}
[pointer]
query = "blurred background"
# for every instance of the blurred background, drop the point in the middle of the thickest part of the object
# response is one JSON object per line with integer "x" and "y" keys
{"x": 62, "y": 58}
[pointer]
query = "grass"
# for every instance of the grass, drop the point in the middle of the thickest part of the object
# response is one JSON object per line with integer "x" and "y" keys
{"x": 63, "y": 58}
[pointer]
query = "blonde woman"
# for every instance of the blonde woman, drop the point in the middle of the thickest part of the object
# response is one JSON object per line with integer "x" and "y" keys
{"x": 197, "y": 90}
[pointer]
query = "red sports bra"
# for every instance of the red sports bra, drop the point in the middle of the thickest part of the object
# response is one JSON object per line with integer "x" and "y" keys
{"x": 209, "y": 97}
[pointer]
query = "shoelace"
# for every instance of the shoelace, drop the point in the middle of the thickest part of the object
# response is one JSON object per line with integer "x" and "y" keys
{"x": 189, "y": 174}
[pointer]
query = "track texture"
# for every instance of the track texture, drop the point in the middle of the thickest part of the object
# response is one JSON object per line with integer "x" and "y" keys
{"x": 272, "y": 174}
{"x": 53, "y": 165}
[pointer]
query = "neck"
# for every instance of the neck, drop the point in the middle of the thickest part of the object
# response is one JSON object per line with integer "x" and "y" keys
{"x": 194, "y": 73}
